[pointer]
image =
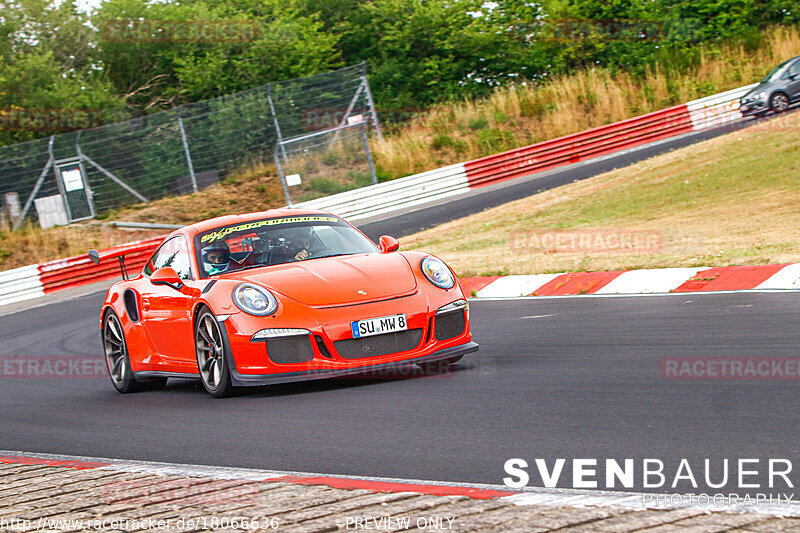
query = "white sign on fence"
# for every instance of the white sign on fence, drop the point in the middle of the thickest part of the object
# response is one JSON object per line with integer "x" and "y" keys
{"x": 51, "y": 211}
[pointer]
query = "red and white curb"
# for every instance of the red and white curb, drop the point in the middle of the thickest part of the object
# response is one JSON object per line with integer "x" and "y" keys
{"x": 646, "y": 281}
{"x": 528, "y": 496}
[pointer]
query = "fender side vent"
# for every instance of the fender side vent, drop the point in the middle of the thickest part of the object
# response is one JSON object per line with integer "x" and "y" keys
{"x": 131, "y": 307}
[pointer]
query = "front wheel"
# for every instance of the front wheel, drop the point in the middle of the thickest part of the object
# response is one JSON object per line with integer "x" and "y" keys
{"x": 212, "y": 357}
{"x": 779, "y": 102}
{"x": 117, "y": 360}
{"x": 438, "y": 366}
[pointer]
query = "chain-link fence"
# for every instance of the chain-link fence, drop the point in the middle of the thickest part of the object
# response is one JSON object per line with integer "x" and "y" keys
{"x": 325, "y": 162}
{"x": 73, "y": 176}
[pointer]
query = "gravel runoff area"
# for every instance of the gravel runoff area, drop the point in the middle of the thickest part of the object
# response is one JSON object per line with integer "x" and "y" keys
{"x": 36, "y": 497}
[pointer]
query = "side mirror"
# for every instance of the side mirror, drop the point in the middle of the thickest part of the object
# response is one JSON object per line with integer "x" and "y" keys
{"x": 388, "y": 244}
{"x": 166, "y": 276}
{"x": 94, "y": 255}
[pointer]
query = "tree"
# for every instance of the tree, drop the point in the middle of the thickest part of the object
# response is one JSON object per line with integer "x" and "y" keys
{"x": 47, "y": 72}
{"x": 155, "y": 68}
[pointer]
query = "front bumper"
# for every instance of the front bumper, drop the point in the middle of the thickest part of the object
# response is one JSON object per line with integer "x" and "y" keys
{"x": 753, "y": 108}
{"x": 251, "y": 380}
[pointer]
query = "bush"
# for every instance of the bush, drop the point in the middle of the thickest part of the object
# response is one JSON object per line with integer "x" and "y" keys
{"x": 491, "y": 141}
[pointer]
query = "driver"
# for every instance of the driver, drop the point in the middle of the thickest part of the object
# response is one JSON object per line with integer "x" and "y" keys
{"x": 302, "y": 243}
{"x": 216, "y": 257}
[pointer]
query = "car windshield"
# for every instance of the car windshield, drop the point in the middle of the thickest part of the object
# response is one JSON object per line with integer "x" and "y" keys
{"x": 275, "y": 241}
{"x": 776, "y": 73}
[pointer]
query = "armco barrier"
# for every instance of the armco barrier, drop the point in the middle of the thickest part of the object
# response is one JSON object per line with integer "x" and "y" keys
{"x": 20, "y": 284}
{"x": 718, "y": 109}
{"x": 579, "y": 146}
{"x": 75, "y": 271}
{"x": 401, "y": 194}
{"x": 396, "y": 194}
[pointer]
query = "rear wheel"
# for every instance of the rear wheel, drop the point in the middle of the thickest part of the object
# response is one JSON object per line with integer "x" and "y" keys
{"x": 212, "y": 357}
{"x": 118, "y": 361}
{"x": 438, "y": 366}
{"x": 779, "y": 102}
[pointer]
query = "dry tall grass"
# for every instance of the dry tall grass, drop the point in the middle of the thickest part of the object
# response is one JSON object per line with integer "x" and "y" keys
{"x": 525, "y": 114}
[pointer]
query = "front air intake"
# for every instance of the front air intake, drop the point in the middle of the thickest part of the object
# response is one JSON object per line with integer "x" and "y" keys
{"x": 379, "y": 344}
{"x": 450, "y": 325}
{"x": 286, "y": 350}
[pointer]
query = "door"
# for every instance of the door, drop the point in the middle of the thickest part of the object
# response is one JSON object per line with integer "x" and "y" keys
{"x": 74, "y": 189}
{"x": 793, "y": 85}
{"x": 167, "y": 312}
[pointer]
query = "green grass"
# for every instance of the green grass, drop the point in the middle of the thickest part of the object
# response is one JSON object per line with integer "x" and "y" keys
{"x": 730, "y": 200}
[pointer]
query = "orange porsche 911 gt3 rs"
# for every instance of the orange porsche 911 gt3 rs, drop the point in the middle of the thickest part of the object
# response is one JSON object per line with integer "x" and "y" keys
{"x": 279, "y": 296}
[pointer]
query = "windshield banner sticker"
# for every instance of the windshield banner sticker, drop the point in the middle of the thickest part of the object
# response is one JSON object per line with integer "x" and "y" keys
{"x": 219, "y": 234}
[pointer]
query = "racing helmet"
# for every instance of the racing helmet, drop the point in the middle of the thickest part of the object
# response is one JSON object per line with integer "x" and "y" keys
{"x": 216, "y": 257}
{"x": 298, "y": 238}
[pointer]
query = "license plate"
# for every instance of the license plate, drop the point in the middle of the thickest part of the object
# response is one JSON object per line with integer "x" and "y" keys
{"x": 378, "y": 326}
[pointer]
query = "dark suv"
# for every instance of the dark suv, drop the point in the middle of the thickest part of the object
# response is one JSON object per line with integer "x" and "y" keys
{"x": 776, "y": 92}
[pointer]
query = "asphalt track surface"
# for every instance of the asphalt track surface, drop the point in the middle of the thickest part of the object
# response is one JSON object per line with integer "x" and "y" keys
{"x": 555, "y": 378}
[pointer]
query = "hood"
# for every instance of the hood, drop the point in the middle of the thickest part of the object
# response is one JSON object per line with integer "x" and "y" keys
{"x": 339, "y": 280}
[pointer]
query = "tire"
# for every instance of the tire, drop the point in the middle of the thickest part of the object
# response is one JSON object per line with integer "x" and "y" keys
{"x": 438, "y": 366}
{"x": 118, "y": 361}
{"x": 779, "y": 103}
{"x": 212, "y": 355}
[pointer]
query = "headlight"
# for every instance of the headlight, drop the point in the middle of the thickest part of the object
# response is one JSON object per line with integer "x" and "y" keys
{"x": 437, "y": 273}
{"x": 254, "y": 300}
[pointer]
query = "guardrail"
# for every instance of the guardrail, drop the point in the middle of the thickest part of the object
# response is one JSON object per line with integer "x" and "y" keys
{"x": 579, "y": 146}
{"x": 79, "y": 270}
{"x": 20, "y": 284}
{"x": 400, "y": 194}
{"x": 393, "y": 195}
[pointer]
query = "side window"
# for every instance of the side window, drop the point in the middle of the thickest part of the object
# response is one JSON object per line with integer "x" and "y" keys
{"x": 173, "y": 253}
{"x": 794, "y": 69}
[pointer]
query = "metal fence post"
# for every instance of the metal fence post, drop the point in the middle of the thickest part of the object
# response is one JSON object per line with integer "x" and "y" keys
{"x": 275, "y": 120}
{"x": 38, "y": 185}
{"x": 281, "y": 176}
{"x": 370, "y": 102}
{"x": 369, "y": 154}
{"x": 188, "y": 155}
